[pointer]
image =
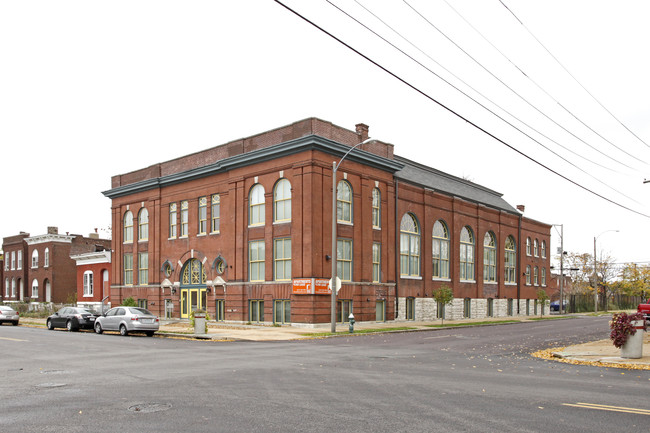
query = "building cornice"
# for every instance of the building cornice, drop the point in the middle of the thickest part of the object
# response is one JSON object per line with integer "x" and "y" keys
{"x": 41, "y": 239}
{"x": 307, "y": 143}
{"x": 92, "y": 258}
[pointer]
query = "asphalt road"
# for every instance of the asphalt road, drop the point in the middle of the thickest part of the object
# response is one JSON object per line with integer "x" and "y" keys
{"x": 479, "y": 379}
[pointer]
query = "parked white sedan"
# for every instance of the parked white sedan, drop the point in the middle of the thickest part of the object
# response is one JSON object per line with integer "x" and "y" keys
{"x": 126, "y": 320}
{"x": 8, "y": 314}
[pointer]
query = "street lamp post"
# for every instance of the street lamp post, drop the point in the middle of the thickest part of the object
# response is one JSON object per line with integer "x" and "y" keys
{"x": 595, "y": 273}
{"x": 335, "y": 167}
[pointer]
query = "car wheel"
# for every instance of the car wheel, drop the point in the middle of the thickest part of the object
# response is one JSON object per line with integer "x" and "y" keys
{"x": 123, "y": 331}
{"x": 150, "y": 333}
{"x": 69, "y": 326}
{"x": 98, "y": 328}
{"x": 50, "y": 326}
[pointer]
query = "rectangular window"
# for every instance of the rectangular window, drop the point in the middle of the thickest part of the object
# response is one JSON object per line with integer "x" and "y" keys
{"x": 466, "y": 262}
{"x": 344, "y": 259}
{"x": 220, "y": 310}
{"x": 173, "y": 220}
{"x": 282, "y": 259}
{"x": 142, "y": 303}
{"x": 281, "y": 311}
{"x": 256, "y": 261}
{"x": 440, "y": 258}
{"x": 215, "y": 213}
{"x": 544, "y": 277}
{"x": 128, "y": 269}
{"x": 510, "y": 267}
{"x": 527, "y": 307}
{"x": 536, "y": 276}
{"x": 380, "y": 311}
{"x": 510, "y": 307}
{"x": 376, "y": 262}
{"x": 467, "y": 308}
{"x": 20, "y": 260}
{"x": 35, "y": 259}
{"x": 203, "y": 215}
{"x": 185, "y": 209}
{"x": 489, "y": 264}
{"x": 256, "y": 310}
{"x": 490, "y": 307}
{"x": 169, "y": 308}
{"x": 46, "y": 259}
{"x": 88, "y": 283}
{"x": 13, "y": 260}
{"x": 344, "y": 310}
{"x": 143, "y": 268}
{"x": 410, "y": 308}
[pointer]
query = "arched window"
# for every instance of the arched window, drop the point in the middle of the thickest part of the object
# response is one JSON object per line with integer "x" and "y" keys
{"x": 256, "y": 205}
{"x": 536, "y": 248}
{"x": 527, "y": 246}
{"x": 193, "y": 273}
{"x": 409, "y": 246}
{"x": 510, "y": 264}
{"x": 128, "y": 226}
{"x": 35, "y": 288}
{"x": 215, "y": 213}
{"x": 344, "y": 202}
{"x": 88, "y": 283}
{"x": 544, "y": 249}
{"x": 528, "y": 275}
{"x": 466, "y": 254}
{"x": 376, "y": 208}
{"x": 35, "y": 259}
{"x": 46, "y": 258}
{"x": 489, "y": 257}
{"x": 282, "y": 201}
{"x": 440, "y": 247}
{"x": 143, "y": 224}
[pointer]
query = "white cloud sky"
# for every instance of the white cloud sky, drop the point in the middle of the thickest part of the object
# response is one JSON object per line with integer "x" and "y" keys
{"x": 92, "y": 89}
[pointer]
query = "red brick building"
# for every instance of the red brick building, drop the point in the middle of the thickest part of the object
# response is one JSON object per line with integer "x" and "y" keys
{"x": 93, "y": 279}
{"x": 41, "y": 269}
{"x": 244, "y": 231}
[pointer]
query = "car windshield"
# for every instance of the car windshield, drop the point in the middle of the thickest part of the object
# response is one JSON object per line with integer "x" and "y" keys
{"x": 140, "y": 311}
{"x": 7, "y": 309}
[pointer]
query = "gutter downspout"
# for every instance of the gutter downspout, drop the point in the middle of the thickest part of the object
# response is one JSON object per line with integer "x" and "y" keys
{"x": 519, "y": 263}
{"x": 397, "y": 271}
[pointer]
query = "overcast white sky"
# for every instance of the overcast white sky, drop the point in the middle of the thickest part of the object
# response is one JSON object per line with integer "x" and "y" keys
{"x": 90, "y": 89}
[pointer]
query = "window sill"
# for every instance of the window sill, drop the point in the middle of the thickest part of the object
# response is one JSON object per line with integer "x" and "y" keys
{"x": 441, "y": 279}
{"x": 410, "y": 277}
{"x": 492, "y": 283}
{"x": 468, "y": 281}
{"x": 377, "y": 228}
{"x": 88, "y": 296}
{"x": 281, "y": 222}
{"x": 172, "y": 238}
{"x": 215, "y": 233}
{"x": 251, "y": 226}
{"x": 345, "y": 223}
{"x": 200, "y": 235}
{"x": 141, "y": 241}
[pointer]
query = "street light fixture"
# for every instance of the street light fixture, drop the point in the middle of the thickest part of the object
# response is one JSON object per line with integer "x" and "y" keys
{"x": 595, "y": 273}
{"x": 335, "y": 167}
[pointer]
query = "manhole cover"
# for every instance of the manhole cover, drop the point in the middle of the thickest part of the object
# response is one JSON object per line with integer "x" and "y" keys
{"x": 150, "y": 407}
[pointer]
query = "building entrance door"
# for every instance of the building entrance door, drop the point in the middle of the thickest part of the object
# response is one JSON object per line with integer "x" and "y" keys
{"x": 192, "y": 299}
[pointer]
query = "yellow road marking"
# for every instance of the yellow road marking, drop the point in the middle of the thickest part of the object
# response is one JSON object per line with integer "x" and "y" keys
{"x": 610, "y": 408}
{"x": 11, "y": 339}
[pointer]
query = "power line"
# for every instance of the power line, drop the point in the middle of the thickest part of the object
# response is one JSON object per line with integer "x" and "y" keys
{"x": 513, "y": 91}
{"x": 474, "y": 100}
{"x": 421, "y": 92}
{"x": 540, "y": 87}
{"x": 571, "y": 75}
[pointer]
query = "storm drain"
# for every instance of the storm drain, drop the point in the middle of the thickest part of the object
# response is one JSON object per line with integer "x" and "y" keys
{"x": 150, "y": 407}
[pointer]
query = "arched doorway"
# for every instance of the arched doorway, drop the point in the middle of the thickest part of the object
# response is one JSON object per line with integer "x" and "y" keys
{"x": 193, "y": 288}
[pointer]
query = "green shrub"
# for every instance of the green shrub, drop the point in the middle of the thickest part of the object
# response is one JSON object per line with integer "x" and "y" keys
{"x": 130, "y": 302}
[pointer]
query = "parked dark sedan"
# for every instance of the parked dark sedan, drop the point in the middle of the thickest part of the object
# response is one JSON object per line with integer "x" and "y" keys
{"x": 72, "y": 318}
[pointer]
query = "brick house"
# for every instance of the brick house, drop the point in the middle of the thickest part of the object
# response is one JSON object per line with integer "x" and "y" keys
{"x": 93, "y": 279}
{"x": 244, "y": 231}
{"x": 43, "y": 270}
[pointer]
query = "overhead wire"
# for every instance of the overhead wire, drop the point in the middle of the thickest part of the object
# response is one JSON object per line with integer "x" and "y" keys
{"x": 432, "y": 99}
{"x": 474, "y": 100}
{"x": 514, "y": 91}
{"x": 571, "y": 75}
{"x": 572, "y": 114}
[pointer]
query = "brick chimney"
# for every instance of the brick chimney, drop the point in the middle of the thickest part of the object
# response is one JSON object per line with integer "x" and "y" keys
{"x": 52, "y": 230}
{"x": 521, "y": 208}
{"x": 362, "y": 131}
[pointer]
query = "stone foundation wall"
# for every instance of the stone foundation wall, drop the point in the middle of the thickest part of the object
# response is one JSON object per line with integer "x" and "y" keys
{"x": 426, "y": 309}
